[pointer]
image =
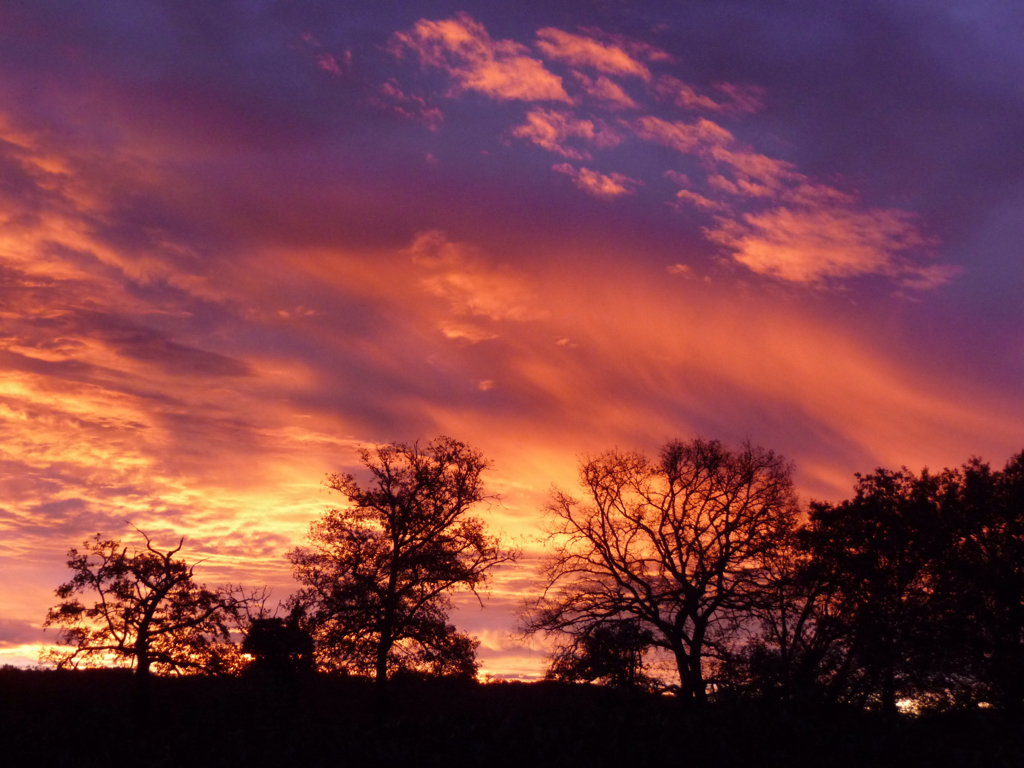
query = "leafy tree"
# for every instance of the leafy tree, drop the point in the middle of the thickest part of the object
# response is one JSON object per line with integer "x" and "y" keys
{"x": 913, "y": 589}
{"x": 679, "y": 545}
{"x": 448, "y": 654}
{"x": 279, "y": 647}
{"x": 987, "y": 576}
{"x": 378, "y": 574}
{"x": 891, "y": 611}
{"x": 610, "y": 652}
{"x": 145, "y": 611}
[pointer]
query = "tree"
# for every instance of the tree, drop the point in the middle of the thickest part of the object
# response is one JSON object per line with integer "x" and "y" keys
{"x": 987, "y": 575}
{"x": 148, "y": 613}
{"x": 679, "y": 545}
{"x": 378, "y": 574}
{"x": 892, "y": 611}
{"x": 610, "y": 652}
{"x": 279, "y": 647}
{"x": 791, "y": 643}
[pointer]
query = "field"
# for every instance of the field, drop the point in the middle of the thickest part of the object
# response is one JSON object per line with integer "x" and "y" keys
{"x": 87, "y": 718}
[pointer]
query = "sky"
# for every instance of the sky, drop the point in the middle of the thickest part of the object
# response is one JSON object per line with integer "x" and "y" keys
{"x": 239, "y": 241}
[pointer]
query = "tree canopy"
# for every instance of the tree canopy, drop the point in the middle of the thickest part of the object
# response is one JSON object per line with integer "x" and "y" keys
{"x": 142, "y": 609}
{"x": 377, "y": 574}
{"x": 911, "y": 591}
{"x": 678, "y": 544}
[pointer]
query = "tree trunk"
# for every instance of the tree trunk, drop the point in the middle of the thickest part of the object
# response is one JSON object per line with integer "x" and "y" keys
{"x": 383, "y": 703}
{"x": 889, "y": 692}
{"x": 700, "y": 694}
{"x": 383, "y": 649}
{"x": 142, "y": 682}
{"x": 691, "y": 679}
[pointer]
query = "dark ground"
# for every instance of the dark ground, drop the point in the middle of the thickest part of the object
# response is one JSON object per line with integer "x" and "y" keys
{"x": 87, "y": 718}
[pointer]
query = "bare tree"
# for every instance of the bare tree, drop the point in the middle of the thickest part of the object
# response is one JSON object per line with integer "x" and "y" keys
{"x": 148, "y": 612}
{"x": 679, "y": 544}
{"x": 378, "y": 574}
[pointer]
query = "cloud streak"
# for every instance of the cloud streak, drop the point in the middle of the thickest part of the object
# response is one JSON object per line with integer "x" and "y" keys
{"x": 499, "y": 69}
{"x": 585, "y": 51}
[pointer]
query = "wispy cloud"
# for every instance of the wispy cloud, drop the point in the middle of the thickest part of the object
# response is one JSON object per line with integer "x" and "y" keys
{"x": 224, "y": 266}
{"x": 392, "y": 98}
{"x": 471, "y": 286}
{"x": 777, "y": 222}
{"x": 807, "y": 245}
{"x": 585, "y": 51}
{"x": 551, "y": 129}
{"x": 768, "y": 215}
{"x": 599, "y": 184}
{"x": 499, "y": 69}
{"x": 682, "y": 136}
{"x": 607, "y": 92}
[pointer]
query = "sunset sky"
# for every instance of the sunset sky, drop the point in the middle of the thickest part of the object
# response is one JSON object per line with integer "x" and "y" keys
{"x": 239, "y": 240}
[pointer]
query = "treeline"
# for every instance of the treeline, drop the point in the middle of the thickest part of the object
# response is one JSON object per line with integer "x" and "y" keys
{"x": 695, "y": 572}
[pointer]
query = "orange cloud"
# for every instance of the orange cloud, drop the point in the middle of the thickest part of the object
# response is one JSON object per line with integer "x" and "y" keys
{"x": 741, "y": 99}
{"x": 682, "y": 95}
{"x": 683, "y": 137}
{"x": 598, "y": 184}
{"x": 745, "y": 98}
{"x": 470, "y": 285}
{"x": 802, "y": 232}
{"x": 550, "y": 129}
{"x": 584, "y": 51}
{"x": 697, "y": 199}
{"x": 811, "y": 244}
{"x": 393, "y": 99}
{"x": 499, "y": 69}
{"x": 608, "y": 93}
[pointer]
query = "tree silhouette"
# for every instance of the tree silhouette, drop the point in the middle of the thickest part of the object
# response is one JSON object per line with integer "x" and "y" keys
{"x": 610, "y": 652}
{"x": 986, "y": 574}
{"x": 791, "y": 646}
{"x": 882, "y": 551}
{"x": 679, "y": 545}
{"x": 378, "y": 574}
{"x": 148, "y": 613}
{"x": 279, "y": 647}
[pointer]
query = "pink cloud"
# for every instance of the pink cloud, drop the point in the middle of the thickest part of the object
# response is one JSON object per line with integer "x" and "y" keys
{"x": 745, "y": 98}
{"x": 329, "y": 64}
{"x": 683, "y": 137}
{"x": 550, "y": 129}
{"x": 585, "y": 51}
{"x": 798, "y": 231}
{"x": 682, "y": 95}
{"x": 499, "y": 69}
{"x": 740, "y": 99}
{"x": 609, "y": 93}
{"x": 472, "y": 288}
{"x": 697, "y": 199}
{"x": 411, "y": 107}
{"x": 598, "y": 184}
{"x": 808, "y": 245}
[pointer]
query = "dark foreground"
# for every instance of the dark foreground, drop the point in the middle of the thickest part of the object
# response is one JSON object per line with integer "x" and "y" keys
{"x": 87, "y": 719}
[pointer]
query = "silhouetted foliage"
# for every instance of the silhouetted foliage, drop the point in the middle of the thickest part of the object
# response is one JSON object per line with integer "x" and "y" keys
{"x": 377, "y": 575}
{"x": 144, "y": 610}
{"x": 985, "y": 579}
{"x": 609, "y": 652}
{"x": 910, "y": 591}
{"x": 281, "y": 647}
{"x": 879, "y": 552}
{"x": 680, "y": 545}
{"x": 789, "y": 648}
